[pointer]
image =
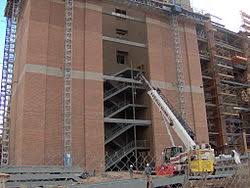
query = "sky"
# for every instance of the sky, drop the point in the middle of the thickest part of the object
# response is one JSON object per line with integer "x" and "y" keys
{"x": 2, "y": 32}
{"x": 227, "y": 10}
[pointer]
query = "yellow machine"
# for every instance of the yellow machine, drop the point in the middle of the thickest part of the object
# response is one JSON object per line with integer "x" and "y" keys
{"x": 201, "y": 160}
{"x": 198, "y": 160}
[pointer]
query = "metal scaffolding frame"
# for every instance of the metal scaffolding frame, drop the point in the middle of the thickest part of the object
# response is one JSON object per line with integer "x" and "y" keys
{"x": 246, "y": 22}
{"x": 7, "y": 77}
{"x": 67, "y": 100}
{"x": 179, "y": 64}
{"x": 225, "y": 85}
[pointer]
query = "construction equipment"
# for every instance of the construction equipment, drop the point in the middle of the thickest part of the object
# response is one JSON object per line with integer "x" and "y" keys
{"x": 200, "y": 158}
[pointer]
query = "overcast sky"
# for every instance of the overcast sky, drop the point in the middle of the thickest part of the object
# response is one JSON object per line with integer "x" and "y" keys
{"x": 227, "y": 10}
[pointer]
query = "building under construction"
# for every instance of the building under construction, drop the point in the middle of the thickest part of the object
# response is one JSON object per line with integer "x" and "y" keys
{"x": 69, "y": 87}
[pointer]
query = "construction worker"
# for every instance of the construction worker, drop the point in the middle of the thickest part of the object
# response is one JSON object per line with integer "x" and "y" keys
{"x": 131, "y": 173}
{"x": 148, "y": 172}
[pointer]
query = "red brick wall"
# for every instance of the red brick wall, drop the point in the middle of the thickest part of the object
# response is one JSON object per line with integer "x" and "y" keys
{"x": 18, "y": 88}
{"x": 37, "y": 103}
{"x": 162, "y": 67}
{"x": 195, "y": 79}
{"x": 37, "y": 126}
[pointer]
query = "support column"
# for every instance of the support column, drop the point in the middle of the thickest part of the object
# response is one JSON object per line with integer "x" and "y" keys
{"x": 195, "y": 81}
{"x": 93, "y": 88}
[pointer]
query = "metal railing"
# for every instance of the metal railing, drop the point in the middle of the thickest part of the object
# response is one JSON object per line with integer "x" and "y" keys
{"x": 116, "y": 131}
{"x": 113, "y": 109}
{"x": 118, "y": 155}
{"x": 226, "y": 165}
{"x": 113, "y": 90}
{"x": 201, "y": 34}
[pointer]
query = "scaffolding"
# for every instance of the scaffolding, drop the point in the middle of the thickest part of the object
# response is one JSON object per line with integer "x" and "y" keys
{"x": 67, "y": 100}
{"x": 167, "y": 7}
{"x": 179, "y": 64}
{"x": 224, "y": 72}
{"x": 246, "y": 22}
{"x": 7, "y": 77}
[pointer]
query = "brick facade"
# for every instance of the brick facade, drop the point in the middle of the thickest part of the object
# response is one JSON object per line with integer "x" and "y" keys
{"x": 36, "y": 113}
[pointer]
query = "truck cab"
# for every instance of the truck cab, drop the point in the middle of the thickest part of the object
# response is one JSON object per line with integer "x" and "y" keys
{"x": 172, "y": 152}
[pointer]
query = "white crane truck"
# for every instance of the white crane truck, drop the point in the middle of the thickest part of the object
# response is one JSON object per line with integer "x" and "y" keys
{"x": 199, "y": 158}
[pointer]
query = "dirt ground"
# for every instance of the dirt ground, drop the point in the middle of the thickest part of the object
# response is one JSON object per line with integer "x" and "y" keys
{"x": 112, "y": 176}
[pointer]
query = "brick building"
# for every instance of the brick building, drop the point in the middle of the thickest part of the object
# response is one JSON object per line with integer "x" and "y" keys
{"x": 113, "y": 119}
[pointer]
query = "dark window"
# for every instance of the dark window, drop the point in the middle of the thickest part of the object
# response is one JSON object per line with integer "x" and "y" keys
{"x": 121, "y": 57}
{"x": 121, "y": 32}
{"x": 119, "y": 11}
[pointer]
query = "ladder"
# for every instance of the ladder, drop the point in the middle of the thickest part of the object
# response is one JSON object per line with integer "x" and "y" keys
{"x": 179, "y": 64}
{"x": 7, "y": 81}
{"x": 67, "y": 95}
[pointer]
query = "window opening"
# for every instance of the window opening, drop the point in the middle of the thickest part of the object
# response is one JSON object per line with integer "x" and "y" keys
{"x": 121, "y": 57}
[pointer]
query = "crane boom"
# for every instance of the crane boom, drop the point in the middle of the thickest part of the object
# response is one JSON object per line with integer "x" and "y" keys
{"x": 169, "y": 116}
{"x": 176, "y": 125}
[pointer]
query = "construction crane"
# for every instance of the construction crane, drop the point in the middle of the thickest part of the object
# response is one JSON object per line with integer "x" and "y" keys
{"x": 67, "y": 100}
{"x": 200, "y": 158}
